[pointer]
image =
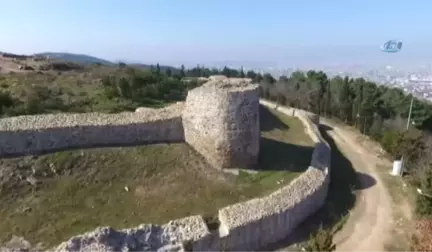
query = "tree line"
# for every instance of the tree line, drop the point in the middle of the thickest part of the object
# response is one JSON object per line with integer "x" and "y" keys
{"x": 164, "y": 83}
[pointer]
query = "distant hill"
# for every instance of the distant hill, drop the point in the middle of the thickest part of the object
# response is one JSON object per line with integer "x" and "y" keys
{"x": 76, "y": 58}
{"x": 87, "y": 59}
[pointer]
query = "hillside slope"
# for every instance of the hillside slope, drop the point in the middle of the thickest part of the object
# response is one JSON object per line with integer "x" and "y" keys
{"x": 77, "y": 58}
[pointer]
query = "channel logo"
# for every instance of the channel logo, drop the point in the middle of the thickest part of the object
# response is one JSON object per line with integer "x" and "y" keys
{"x": 392, "y": 46}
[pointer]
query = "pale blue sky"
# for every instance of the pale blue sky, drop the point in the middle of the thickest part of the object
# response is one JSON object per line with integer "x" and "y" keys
{"x": 216, "y": 30}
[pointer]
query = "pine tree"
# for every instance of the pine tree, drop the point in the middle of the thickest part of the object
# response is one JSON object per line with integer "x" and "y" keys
{"x": 182, "y": 71}
{"x": 345, "y": 101}
{"x": 242, "y": 74}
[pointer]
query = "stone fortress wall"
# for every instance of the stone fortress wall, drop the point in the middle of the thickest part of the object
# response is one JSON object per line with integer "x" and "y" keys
{"x": 253, "y": 224}
{"x": 50, "y": 132}
{"x": 248, "y": 225}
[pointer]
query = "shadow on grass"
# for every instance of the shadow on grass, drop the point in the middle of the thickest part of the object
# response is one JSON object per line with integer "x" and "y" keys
{"x": 86, "y": 147}
{"x": 269, "y": 121}
{"x": 340, "y": 199}
{"x": 280, "y": 156}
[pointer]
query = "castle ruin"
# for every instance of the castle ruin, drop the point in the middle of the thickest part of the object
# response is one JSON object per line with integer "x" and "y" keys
{"x": 221, "y": 121}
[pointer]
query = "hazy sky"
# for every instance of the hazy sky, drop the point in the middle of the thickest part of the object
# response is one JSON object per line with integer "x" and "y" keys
{"x": 281, "y": 31}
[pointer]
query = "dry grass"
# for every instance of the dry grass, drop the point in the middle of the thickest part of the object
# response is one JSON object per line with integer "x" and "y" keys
{"x": 68, "y": 85}
{"x": 423, "y": 240}
{"x": 76, "y": 90}
{"x": 11, "y": 65}
{"x": 81, "y": 189}
{"x": 403, "y": 197}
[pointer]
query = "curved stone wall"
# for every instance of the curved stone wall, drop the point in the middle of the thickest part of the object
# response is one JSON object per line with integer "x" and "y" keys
{"x": 50, "y": 132}
{"x": 221, "y": 121}
{"x": 258, "y": 222}
{"x": 249, "y": 225}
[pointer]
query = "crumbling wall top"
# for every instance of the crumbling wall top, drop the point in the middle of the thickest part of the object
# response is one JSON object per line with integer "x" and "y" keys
{"x": 231, "y": 84}
{"x": 63, "y": 120}
{"x": 167, "y": 237}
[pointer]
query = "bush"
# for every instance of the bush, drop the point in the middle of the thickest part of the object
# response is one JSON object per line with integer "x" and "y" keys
{"x": 424, "y": 202}
{"x": 390, "y": 142}
{"x": 61, "y": 66}
{"x": 6, "y": 101}
{"x": 321, "y": 240}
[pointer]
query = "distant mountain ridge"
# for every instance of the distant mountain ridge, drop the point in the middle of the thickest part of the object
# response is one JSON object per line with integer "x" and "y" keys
{"x": 77, "y": 58}
{"x": 87, "y": 59}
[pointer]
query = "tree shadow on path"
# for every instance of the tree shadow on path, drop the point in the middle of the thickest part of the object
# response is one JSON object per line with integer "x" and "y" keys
{"x": 340, "y": 199}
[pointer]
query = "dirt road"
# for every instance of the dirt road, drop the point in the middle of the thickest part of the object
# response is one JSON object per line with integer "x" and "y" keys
{"x": 371, "y": 221}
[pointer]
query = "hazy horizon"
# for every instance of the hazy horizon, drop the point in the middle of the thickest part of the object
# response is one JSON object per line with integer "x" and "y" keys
{"x": 276, "y": 32}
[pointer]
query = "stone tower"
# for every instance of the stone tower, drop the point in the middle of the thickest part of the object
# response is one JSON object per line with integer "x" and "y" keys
{"x": 221, "y": 122}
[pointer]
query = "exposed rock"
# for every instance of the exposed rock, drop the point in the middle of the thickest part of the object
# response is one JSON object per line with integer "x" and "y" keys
{"x": 18, "y": 244}
{"x": 32, "y": 180}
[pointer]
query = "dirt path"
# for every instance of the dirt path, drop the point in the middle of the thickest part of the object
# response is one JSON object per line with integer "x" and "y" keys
{"x": 370, "y": 222}
{"x": 379, "y": 221}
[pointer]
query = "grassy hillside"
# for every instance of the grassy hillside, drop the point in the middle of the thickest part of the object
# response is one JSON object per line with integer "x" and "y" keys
{"x": 88, "y": 88}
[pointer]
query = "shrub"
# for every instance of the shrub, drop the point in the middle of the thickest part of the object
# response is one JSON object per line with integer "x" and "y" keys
{"x": 424, "y": 202}
{"x": 390, "y": 142}
{"x": 61, "y": 66}
{"x": 321, "y": 240}
{"x": 6, "y": 101}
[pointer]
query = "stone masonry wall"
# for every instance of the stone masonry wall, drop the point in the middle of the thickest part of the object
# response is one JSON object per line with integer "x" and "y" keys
{"x": 37, "y": 134}
{"x": 221, "y": 121}
{"x": 261, "y": 221}
{"x": 147, "y": 237}
{"x": 249, "y": 225}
